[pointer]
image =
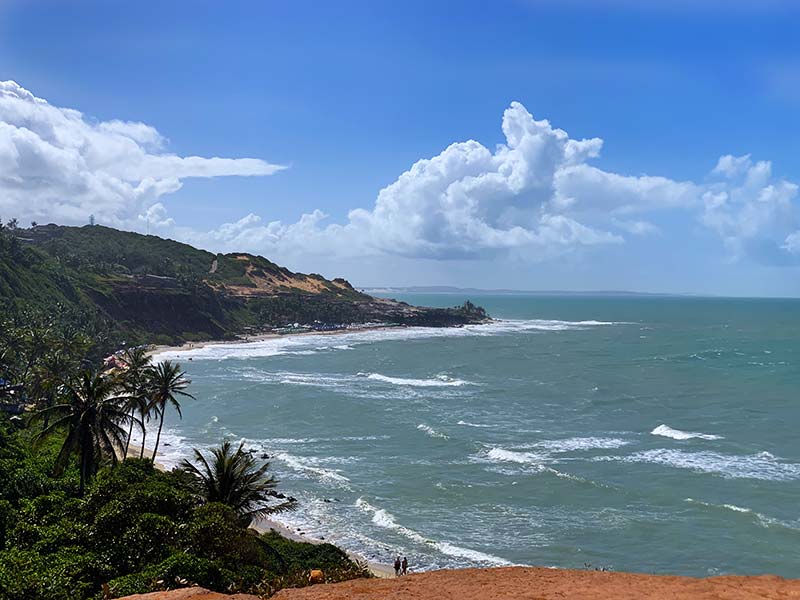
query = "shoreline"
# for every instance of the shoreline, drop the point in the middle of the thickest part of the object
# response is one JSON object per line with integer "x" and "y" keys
{"x": 263, "y": 525}
{"x": 261, "y": 337}
{"x": 378, "y": 569}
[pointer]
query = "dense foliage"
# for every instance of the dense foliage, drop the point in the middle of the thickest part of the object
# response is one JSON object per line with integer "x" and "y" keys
{"x": 137, "y": 529}
{"x": 75, "y": 517}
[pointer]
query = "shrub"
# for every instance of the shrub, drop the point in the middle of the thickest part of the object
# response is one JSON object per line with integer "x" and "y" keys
{"x": 179, "y": 570}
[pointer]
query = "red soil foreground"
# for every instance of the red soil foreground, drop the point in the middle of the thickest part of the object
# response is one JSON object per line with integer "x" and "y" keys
{"x": 523, "y": 583}
{"x": 194, "y": 593}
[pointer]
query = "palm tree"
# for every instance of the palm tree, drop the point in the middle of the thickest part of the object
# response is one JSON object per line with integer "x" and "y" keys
{"x": 46, "y": 378}
{"x": 94, "y": 416}
{"x": 135, "y": 381}
{"x": 234, "y": 479}
{"x": 166, "y": 384}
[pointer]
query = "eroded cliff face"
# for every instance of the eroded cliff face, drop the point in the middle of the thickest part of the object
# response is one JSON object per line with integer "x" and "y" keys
{"x": 203, "y": 312}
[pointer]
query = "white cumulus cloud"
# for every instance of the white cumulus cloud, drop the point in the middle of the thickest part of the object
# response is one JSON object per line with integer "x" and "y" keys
{"x": 749, "y": 206}
{"x": 58, "y": 165}
{"x": 535, "y": 196}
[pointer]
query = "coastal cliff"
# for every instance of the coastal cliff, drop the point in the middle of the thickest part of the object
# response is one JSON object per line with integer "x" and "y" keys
{"x": 149, "y": 289}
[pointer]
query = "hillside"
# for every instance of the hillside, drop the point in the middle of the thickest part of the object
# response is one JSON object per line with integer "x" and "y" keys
{"x": 157, "y": 290}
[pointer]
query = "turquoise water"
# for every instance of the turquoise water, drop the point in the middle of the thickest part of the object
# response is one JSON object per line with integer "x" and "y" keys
{"x": 643, "y": 434}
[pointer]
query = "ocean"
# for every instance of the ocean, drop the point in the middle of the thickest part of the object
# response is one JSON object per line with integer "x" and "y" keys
{"x": 648, "y": 434}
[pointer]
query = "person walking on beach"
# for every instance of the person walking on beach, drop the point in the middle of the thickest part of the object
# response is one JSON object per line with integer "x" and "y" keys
{"x": 405, "y": 565}
{"x": 397, "y": 566}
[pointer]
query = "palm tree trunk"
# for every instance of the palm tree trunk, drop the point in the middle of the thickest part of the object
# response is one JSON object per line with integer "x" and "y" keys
{"x": 130, "y": 433}
{"x": 144, "y": 436}
{"x": 158, "y": 436}
{"x": 86, "y": 448}
{"x": 47, "y": 404}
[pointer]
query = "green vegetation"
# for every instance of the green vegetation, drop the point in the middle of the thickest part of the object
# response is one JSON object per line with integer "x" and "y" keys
{"x": 165, "y": 383}
{"x": 74, "y": 516}
{"x": 233, "y": 478}
{"x": 141, "y": 288}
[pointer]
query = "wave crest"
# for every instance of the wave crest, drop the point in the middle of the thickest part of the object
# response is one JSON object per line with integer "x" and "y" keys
{"x": 438, "y": 381}
{"x": 677, "y": 434}
{"x": 432, "y": 432}
{"x": 762, "y": 466}
{"x": 386, "y": 520}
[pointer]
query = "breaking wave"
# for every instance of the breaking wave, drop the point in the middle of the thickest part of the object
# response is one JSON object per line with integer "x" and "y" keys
{"x": 468, "y": 424}
{"x": 581, "y": 443}
{"x": 525, "y": 458}
{"x": 346, "y": 340}
{"x": 761, "y": 519}
{"x": 438, "y": 381}
{"x": 386, "y": 520}
{"x": 308, "y": 465}
{"x": 677, "y": 434}
{"x": 432, "y": 432}
{"x": 763, "y": 466}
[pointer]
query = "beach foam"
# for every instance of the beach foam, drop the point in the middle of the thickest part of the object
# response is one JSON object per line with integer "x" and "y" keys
{"x": 386, "y": 520}
{"x": 677, "y": 434}
{"x": 346, "y": 340}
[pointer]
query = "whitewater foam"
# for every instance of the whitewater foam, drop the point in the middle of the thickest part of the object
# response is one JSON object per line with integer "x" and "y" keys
{"x": 468, "y": 424}
{"x": 311, "y": 343}
{"x": 308, "y": 465}
{"x": 761, "y": 519}
{"x": 432, "y": 432}
{"x": 581, "y": 443}
{"x": 763, "y": 466}
{"x": 438, "y": 381}
{"x": 386, "y": 520}
{"x": 676, "y": 434}
{"x": 525, "y": 458}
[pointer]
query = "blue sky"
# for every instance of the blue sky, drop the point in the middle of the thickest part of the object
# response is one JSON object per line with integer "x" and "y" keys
{"x": 349, "y": 95}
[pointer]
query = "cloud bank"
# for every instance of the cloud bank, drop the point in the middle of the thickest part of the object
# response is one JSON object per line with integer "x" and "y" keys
{"x": 536, "y": 196}
{"x": 57, "y": 165}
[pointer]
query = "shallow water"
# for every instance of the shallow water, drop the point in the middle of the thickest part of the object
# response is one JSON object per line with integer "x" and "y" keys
{"x": 643, "y": 434}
